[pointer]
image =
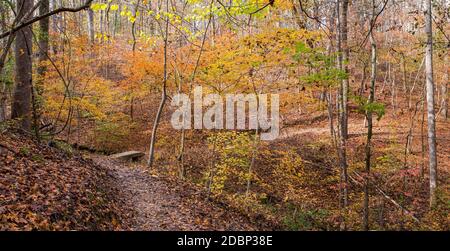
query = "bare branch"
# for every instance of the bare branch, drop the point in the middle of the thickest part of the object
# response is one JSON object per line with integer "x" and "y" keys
{"x": 23, "y": 24}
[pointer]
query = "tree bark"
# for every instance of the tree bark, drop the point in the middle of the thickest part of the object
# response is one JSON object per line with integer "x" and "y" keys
{"x": 23, "y": 51}
{"x": 345, "y": 58}
{"x": 43, "y": 42}
{"x": 342, "y": 140}
{"x": 3, "y": 96}
{"x": 91, "y": 27}
{"x": 430, "y": 103}
{"x": 44, "y": 25}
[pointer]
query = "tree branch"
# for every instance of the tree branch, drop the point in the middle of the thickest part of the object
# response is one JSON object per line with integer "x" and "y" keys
{"x": 21, "y": 25}
{"x": 271, "y": 2}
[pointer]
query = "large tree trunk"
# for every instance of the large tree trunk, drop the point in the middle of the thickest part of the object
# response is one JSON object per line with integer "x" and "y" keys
{"x": 430, "y": 103}
{"x": 342, "y": 152}
{"x": 23, "y": 51}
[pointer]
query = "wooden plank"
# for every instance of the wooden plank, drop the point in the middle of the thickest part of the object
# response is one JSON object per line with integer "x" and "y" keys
{"x": 128, "y": 155}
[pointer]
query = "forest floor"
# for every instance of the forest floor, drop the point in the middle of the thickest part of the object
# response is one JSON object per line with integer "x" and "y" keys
{"x": 161, "y": 203}
{"x": 45, "y": 187}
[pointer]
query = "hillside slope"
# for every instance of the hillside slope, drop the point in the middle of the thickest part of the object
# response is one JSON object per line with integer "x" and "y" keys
{"x": 43, "y": 188}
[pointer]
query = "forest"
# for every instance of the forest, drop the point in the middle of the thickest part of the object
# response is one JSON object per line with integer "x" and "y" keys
{"x": 299, "y": 115}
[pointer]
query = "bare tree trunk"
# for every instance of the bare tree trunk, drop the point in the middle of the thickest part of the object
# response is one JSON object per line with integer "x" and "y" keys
{"x": 55, "y": 26}
{"x": 342, "y": 140}
{"x": 363, "y": 85}
{"x": 444, "y": 102}
{"x": 422, "y": 136}
{"x": 329, "y": 95}
{"x": 3, "y": 88}
{"x": 345, "y": 58}
{"x": 370, "y": 121}
{"x": 133, "y": 33}
{"x": 430, "y": 103}
{"x": 23, "y": 51}
{"x": 133, "y": 25}
{"x": 116, "y": 20}
{"x": 44, "y": 25}
{"x": 91, "y": 27}
{"x": 100, "y": 23}
{"x": 405, "y": 87}
{"x": 163, "y": 95}
{"x": 329, "y": 99}
{"x": 3, "y": 102}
